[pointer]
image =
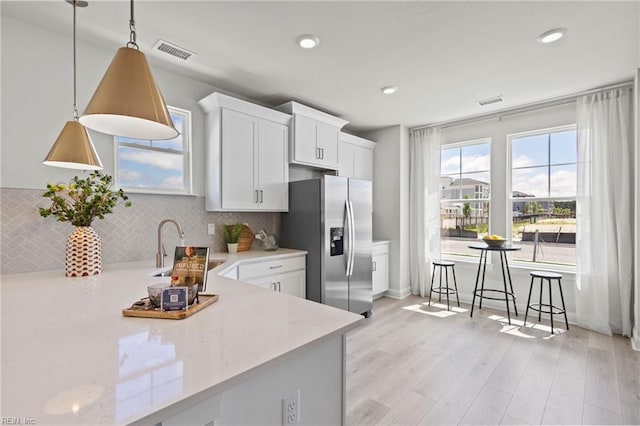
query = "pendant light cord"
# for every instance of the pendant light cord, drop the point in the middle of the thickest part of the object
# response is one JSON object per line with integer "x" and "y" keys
{"x": 132, "y": 29}
{"x": 75, "y": 102}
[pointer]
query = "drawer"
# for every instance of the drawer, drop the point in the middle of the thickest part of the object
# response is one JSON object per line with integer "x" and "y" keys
{"x": 270, "y": 267}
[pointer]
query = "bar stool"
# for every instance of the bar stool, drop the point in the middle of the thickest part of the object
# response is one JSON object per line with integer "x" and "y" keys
{"x": 553, "y": 310}
{"x": 444, "y": 264}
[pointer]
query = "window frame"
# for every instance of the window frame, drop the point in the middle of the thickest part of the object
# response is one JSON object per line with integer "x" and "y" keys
{"x": 472, "y": 257}
{"x": 510, "y": 199}
{"x": 187, "y": 163}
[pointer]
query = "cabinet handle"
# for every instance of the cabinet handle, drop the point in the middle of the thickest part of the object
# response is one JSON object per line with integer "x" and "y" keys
{"x": 273, "y": 285}
{"x": 375, "y": 266}
{"x": 257, "y": 196}
{"x": 261, "y": 196}
{"x": 317, "y": 153}
{"x": 279, "y": 286}
{"x": 275, "y": 267}
{"x": 322, "y": 153}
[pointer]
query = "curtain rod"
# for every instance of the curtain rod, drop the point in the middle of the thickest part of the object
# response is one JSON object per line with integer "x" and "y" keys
{"x": 521, "y": 109}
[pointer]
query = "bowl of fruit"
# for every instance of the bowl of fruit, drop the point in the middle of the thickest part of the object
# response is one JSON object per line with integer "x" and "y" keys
{"x": 494, "y": 240}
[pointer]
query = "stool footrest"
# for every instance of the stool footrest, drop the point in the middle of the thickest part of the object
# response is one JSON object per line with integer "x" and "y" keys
{"x": 554, "y": 310}
{"x": 443, "y": 290}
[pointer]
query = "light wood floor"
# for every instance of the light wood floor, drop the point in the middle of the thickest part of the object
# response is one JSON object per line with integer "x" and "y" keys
{"x": 417, "y": 364}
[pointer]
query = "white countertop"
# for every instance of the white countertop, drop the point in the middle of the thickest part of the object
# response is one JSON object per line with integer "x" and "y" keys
{"x": 70, "y": 357}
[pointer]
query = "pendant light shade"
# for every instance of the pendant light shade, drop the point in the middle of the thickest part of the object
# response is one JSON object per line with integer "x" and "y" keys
{"x": 128, "y": 102}
{"x": 73, "y": 149}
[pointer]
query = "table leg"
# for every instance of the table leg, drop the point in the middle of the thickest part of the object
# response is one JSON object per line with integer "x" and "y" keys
{"x": 513, "y": 294}
{"x": 504, "y": 282}
{"x": 484, "y": 272}
{"x": 475, "y": 288}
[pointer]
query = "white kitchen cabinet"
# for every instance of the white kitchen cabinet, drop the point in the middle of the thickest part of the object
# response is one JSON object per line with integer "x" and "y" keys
{"x": 380, "y": 274}
{"x": 314, "y": 136}
{"x": 247, "y": 167}
{"x": 281, "y": 275}
{"x": 355, "y": 157}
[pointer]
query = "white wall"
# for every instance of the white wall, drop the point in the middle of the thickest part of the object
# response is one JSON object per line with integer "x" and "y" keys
{"x": 391, "y": 202}
{"x": 37, "y": 100}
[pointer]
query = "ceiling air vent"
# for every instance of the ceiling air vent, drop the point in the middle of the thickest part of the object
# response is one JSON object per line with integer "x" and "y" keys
{"x": 173, "y": 50}
{"x": 489, "y": 101}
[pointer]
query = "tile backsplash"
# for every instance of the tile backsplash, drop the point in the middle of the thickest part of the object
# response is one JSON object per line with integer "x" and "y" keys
{"x": 31, "y": 243}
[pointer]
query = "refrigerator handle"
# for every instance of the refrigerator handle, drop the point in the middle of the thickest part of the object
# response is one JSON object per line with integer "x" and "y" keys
{"x": 352, "y": 238}
{"x": 349, "y": 226}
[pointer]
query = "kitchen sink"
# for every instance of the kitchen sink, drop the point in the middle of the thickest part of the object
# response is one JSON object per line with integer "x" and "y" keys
{"x": 212, "y": 264}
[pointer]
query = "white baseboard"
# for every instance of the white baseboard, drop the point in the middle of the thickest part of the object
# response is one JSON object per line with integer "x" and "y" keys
{"x": 398, "y": 294}
{"x": 635, "y": 343}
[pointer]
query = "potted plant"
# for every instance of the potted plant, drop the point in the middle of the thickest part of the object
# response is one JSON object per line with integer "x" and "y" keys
{"x": 231, "y": 236}
{"x": 80, "y": 202}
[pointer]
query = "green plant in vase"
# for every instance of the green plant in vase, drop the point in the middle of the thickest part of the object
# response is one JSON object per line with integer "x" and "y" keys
{"x": 81, "y": 202}
{"x": 231, "y": 236}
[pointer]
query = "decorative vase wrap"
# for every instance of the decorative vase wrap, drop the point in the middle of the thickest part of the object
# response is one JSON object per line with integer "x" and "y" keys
{"x": 84, "y": 253}
{"x": 232, "y": 247}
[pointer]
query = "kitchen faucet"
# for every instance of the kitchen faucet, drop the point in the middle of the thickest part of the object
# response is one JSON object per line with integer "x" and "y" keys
{"x": 161, "y": 252}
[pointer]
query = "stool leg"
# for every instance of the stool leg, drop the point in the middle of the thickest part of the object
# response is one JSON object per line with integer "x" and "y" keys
{"x": 566, "y": 321}
{"x": 550, "y": 304}
{"x": 453, "y": 271}
{"x": 528, "y": 302}
{"x": 440, "y": 292}
{"x": 475, "y": 288}
{"x": 433, "y": 274}
{"x": 540, "y": 301}
{"x": 513, "y": 294}
{"x": 446, "y": 271}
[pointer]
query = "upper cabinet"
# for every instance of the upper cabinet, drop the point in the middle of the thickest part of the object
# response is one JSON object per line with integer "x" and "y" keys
{"x": 355, "y": 157}
{"x": 247, "y": 165}
{"x": 315, "y": 136}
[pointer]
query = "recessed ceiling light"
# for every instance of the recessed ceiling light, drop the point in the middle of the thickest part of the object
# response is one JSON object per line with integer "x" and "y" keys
{"x": 307, "y": 41}
{"x": 389, "y": 90}
{"x": 552, "y": 35}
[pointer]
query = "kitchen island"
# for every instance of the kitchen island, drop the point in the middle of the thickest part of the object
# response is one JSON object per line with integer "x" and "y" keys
{"x": 70, "y": 357}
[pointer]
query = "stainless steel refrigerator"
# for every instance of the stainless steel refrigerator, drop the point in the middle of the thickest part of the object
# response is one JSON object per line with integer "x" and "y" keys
{"x": 331, "y": 218}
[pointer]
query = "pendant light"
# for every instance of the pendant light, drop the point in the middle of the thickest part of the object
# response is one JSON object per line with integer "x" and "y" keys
{"x": 127, "y": 101}
{"x": 73, "y": 149}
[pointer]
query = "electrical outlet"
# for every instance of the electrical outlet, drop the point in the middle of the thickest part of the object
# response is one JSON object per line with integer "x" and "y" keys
{"x": 211, "y": 228}
{"x": 291, "y": 409}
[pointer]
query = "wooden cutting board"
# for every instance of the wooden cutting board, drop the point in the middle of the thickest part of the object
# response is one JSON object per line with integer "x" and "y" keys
{"x": 176, "y": 315}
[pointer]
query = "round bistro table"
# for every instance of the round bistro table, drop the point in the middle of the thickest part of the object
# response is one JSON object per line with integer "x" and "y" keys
{"x": 482, "y": 265}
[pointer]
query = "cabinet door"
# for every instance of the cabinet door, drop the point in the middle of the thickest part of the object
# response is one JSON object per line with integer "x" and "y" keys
{"x": 362, "y": 163}
{"x": 328, "y": 139}
{"x": 239, "y": 132}
{"x": 380, "y": 273}
{"x": 293, "y": 283}
{"x": 264, "y": 282}
{"x": 273, "y": 167}
{"x": 305, "y": 138}
{"x": 345, "y": 160}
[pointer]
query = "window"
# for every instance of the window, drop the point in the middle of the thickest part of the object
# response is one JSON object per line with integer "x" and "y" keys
{"x": 465, "y": 182}
{"x": 543, "y": 195}
{"x": 161, "y": 167}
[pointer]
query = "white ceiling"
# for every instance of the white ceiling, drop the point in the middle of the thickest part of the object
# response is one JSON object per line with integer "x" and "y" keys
{"x": 443, "y": 55}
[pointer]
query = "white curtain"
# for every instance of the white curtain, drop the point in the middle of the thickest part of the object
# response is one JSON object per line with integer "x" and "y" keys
{"x": 605, "y": 213}
{"x": 424, "y": 207}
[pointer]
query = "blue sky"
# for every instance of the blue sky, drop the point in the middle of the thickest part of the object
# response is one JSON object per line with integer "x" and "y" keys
{"x": 153, "y": 169}
{"x": 542, "y": 166}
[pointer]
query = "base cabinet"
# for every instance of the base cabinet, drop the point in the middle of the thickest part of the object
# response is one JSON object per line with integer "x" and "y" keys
{"x": 380, "y": 274}
{"x": 284, "y": 276}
